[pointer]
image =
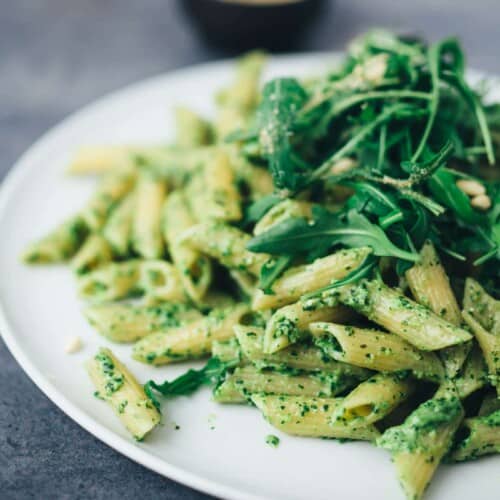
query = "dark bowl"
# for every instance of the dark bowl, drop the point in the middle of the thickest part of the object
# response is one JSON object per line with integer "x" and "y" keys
{"x": 242, "y": 24}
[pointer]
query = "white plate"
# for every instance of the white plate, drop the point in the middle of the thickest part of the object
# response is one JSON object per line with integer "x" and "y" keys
{"x": 218, "y": 449}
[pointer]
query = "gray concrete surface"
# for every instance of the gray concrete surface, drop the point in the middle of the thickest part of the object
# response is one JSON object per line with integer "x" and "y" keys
{"x": 58, "y": 55}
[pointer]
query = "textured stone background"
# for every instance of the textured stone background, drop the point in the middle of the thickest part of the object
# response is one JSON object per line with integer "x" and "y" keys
{"x": 58, "y": 55}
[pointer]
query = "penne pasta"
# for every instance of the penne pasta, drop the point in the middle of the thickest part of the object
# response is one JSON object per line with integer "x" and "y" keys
{"x": 147, "y": 238}
{"x": 95, "y": 252}
{"x": 391, "y": 309}
{"x": 226, "y": 244}
{"x": 474, "y": 374}
{"x": 160, "y": 282}
{"x": 99, "y": 159}
{"x": 290, "y": 323}
{"x": 373, "y": 399}
{"x": 309, "y": 417}
{"x": 60, "y": 244}
{"x": 118, "y": 228}
{"x": 192, "y": 130}
{"x": 191, "y": 341}
{"x": 282, "y": 211}
{"x": 129, "y": 323}
{"x": 115, "y": 384}
{"x": 375, "y": 350}
{"x": 298, "y": 281}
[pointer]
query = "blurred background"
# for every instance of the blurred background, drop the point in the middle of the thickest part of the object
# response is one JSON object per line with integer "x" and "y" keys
{"x": 58, "y": 55}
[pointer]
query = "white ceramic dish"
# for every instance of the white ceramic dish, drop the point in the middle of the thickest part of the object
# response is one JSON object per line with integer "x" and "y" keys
{"x": 218, "y": 449}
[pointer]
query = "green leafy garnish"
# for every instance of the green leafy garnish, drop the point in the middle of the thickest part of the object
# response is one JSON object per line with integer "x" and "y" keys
{"x": 211, "y": 374}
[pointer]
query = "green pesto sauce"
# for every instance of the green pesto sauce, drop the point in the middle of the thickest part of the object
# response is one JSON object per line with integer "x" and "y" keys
{"x": 272, "y": 440}
{"x": 428, "y": 417}
{"x": 113, "y": 379}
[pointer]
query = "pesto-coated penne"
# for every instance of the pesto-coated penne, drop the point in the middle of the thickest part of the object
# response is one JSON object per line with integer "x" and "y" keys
{"x": 302, "y": 356}
{"x": 114, "y": 186}
{"x": 474, "y": 373}
{"x": 227, "y": 350}
{"x": 284, "y": 210}
{"x": 160, "y": 281}
{"x": 418, "y": 445}
{"x": 431, "y": 287}
{"x": 191, "y": 341}
{"x": 483, "y": 437}
{"x": 481, "y": 306}
{"x": 191, "y": 129}
{"x": 115, "y": 384}
{"x": 111, "y": 282}
{"x": 99, "y": 159}
{"x": 309, "y": 417}
{"x": 118, "y": 227}
{"x": 222, "y": 198}
{"x": 402, "y": 316}
{"x": 374, "y": 398}
{"x": 93, "y": 253}
{"x": 195, "y": 269}
{"x": 246, "y": 282}
{"x": 238, "y": 100}
{"x": 290, "y": 323}
{"x": 226, "y": 244}
{"x": 250, "y": 379}
{"x": 490, "y": 404}
{"x": 298, "y": 281}
{"x": 128, "y": 323}
{"x": 60, "y": 244}
{"x": 490, "y": 346}
{"x": 375, "y": 350}
{"x": 147, "y": 238}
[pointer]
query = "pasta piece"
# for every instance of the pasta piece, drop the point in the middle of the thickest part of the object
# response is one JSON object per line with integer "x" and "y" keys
{"x": 300, "y": 280}
{"x": 110, "y": 282}
{"x": 227, "y": 350}
{"x": 226, "y": 244}
{"x": 481, "y": 306}
{"x": 99, "y": 159}
{"x": 483, "y": 437}
{"x": 250, "y": 379}
{"x": 195, "y": 269}
{"x": 284, "y": 210}
{"x": 238, "y": 101}
{"x": 431, "y": 287}
{"x": 402, "y": 316}
{"x": 59, "y": 245}
{"x": 474, "y": 374}
{"x": 299, "y": 356}
{"x": 223, "y": 200}
{"x": 309, "y": 417}
{"x": 490, "y": 346}
{"x": 192, "y": 130}
{"x": 94, "y": 252}
{"x": 375, "y": 350}
{"x": 114, "y": 186}
{"x": 190, "y": 341}
{"x": 373, "y": 399}
{"x": 147, "y": 239}
{"x": 128, "y": 323}
{"x": 418, "y": 445}
{"x": 229, "y": 393}
{"x": 118, "y": 228}
{"x": 116, "y": 385}
{"x": 160, "y": 281}
{"x": 290, "y": 323}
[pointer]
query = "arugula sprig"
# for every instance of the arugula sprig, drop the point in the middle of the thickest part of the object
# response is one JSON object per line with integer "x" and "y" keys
{"x": 211, "y": 374}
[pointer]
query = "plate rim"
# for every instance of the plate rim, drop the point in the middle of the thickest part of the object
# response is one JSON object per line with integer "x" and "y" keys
{"x": 8, "y": 186}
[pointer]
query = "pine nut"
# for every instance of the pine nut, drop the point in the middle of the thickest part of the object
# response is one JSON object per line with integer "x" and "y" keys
{"x": 482, "y": 202}
{"x": 471, "y": 188}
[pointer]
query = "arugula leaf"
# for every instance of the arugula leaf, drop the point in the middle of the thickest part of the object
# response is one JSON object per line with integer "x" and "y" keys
{"x": 211, "y": 374}
{"x": 271, "y": 271}
{"x": 282, "y": 99}
{"x": 351, "y": 229}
